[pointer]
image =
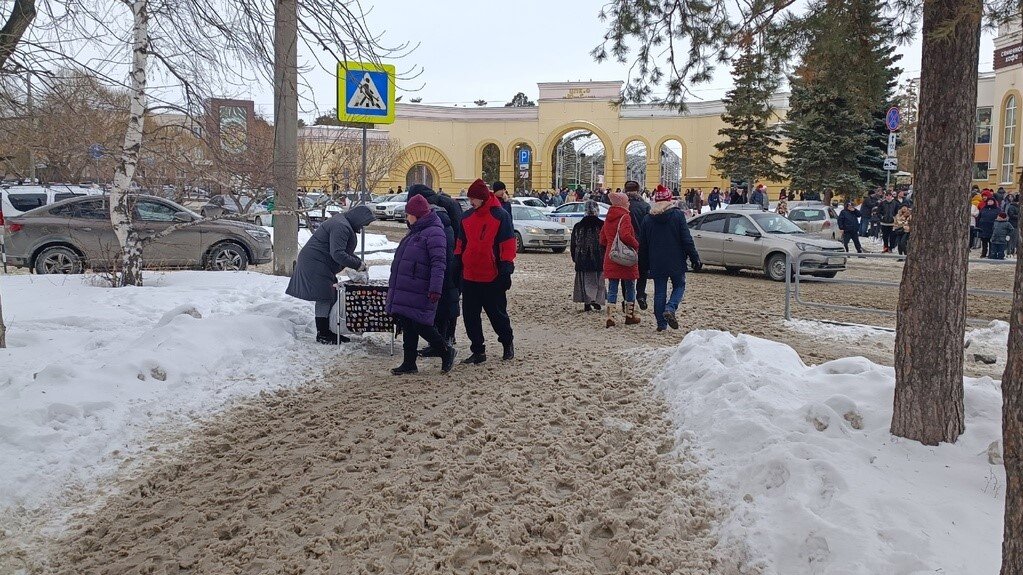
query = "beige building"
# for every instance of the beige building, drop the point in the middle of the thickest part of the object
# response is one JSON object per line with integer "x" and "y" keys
{"x": 575, "y": 135}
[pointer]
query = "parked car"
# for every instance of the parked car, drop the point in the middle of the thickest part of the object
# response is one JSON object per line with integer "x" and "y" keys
{"x": 253, "y": 209}
{"x": 321, "y": 208}
{"x": 17, "y": 200}
{"x": 74, "y": 235}
{"x": 535, "y": 203}
{"x": 752, "y": 239}
{"x": 385, "y": 210}
{"x": 534, "y": 231}
{"x": 399, "y": 213}
{"x": 571, "y": 213}
{"x": 821, "y": 221}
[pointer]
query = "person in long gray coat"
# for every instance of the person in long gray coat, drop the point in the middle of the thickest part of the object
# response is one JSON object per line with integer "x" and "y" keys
{"x": 330, "y": 250}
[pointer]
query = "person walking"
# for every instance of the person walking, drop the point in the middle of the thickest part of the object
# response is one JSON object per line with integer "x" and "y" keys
{"x": 588, "y": 256}
{"x": 759, "y": 197}
{"x": 713, "y": 200}
{"x": 618, "y": 225}
{"x": 329, "y": 250}
{"x": 416, "y": 285}
{"x": 849, "y": 223}
{"x": 1012, "y": 214}
{"x": 665, "y": 245}
{"x": 889, "y": 208}
{"x": 450, "y": 213}
{"x": 866, "y": 209}
{"x": 638, "y": 210}
{"x": 985, "y": 224}
{"x": 485, "y": 254}
{"x": 501, "y": 191}
{"x": 900, "y": 231}
{"x": 1001, "y": 231}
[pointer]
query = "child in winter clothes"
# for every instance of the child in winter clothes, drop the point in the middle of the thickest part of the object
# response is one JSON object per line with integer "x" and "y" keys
{"x": 1000, "y": 232}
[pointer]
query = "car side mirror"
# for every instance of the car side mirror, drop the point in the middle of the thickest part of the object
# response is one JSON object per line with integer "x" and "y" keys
{"x": 182, "y": 217}
{"x": 752, "y": 234}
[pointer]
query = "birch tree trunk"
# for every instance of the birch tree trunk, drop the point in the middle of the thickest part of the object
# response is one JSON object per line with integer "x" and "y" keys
{"x": 3, "y": 326}
{"x": 285, "y": 135}
{"x": 120, "y": 204}
{"x": 1012, "y": 435}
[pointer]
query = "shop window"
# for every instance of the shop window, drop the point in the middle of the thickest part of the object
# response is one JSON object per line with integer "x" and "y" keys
{"x": 984, "y": 125}
{"x": 980, "y": 170}
{"x": 1009, "y": 141}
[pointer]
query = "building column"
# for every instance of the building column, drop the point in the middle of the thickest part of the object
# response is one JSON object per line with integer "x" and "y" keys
{"x": 616, "y": 178}
{"x": 507, "y": 175}
{"x": 653, "y": 174}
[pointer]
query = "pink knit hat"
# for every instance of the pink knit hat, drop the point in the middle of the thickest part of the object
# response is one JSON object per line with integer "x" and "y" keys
{"x": 662, "y": 194}
{"x": 619, "y": 199}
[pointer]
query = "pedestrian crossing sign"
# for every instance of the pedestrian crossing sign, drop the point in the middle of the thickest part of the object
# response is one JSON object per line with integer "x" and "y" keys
{"x": 365, "y": 92}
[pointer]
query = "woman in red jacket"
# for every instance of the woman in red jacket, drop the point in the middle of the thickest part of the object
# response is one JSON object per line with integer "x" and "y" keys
{"x": 619, "y": 223}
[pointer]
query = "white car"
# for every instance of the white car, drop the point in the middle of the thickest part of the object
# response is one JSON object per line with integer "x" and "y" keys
{"x": 535, "y": 203}
{"x": 18, "y": 199}
{"x": 385, "y": 210}
{"x": 533, "y": 231}
{"x": 572, "y": 213}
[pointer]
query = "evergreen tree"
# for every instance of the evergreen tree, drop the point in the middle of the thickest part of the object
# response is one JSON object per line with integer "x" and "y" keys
{"x": 750, "y": 146}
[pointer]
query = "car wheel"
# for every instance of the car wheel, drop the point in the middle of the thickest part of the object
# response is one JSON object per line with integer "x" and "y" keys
{"x": 774, "y": 269}
{"x": 227, "y": 257}
{"x": 732, "y": 270}
{"x": 519, "y": 248}
{"x": 59, "y": 260}
{"x": 558, "y": 250}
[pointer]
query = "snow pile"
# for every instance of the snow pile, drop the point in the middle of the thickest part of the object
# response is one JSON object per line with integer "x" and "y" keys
{"x": 374, "y": 242}
{"x": 90, "y": 370}
{"x": 816, "y": 483}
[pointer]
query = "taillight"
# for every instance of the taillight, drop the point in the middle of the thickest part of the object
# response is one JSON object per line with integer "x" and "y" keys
{"x": 1, "y": 215}
{"x": 827, "y": 224}
{"x": 14, "y": 228}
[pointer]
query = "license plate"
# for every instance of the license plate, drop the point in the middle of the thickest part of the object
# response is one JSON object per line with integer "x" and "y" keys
{"x": 836, "y": 261}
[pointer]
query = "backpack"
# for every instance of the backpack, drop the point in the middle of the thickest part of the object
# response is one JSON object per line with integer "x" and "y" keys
{"x": 622, "y": 253}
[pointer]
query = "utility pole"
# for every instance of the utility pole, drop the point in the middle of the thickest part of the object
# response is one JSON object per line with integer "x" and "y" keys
{"x": 35, "y": 129}
{"x": 285, "y": 136}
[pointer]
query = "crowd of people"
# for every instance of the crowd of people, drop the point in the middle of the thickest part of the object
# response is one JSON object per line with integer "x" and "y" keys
{"x": 453, "y": 264}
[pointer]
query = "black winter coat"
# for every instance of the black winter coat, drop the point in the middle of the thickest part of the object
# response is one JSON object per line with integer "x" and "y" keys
{"x": 888, "y": 211}
{"x": 638, "y": 210}
{"x": 665, "y": 243}
{"x": 330, "y": 249}
{"x": 848, "y": 221}
{"x": 986, "y": 221}
{"x": 453, "y": 208}
{"x": 587, "y": 253}
{"x": 448, "y": 305}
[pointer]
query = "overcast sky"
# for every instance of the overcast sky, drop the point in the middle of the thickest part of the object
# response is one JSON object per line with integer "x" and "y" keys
{"x": 469, "y": 50}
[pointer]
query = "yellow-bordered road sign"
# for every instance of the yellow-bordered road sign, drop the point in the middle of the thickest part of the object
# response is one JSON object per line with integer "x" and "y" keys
{"x": 365, "y": 92}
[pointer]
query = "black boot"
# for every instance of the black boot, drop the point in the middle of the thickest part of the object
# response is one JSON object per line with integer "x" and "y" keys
{"x": 448, "y": 361}
{"x": 596, "y": 306}
{"x": 509, "y": 352}
{"x": 475, "y": 359}
{"x": 428, "y": 351}
{"x": 404, "y": 369}
{"x": 641, "y": 302}
{"x": 325, "y": 336}
{"x": 587, "y": 307}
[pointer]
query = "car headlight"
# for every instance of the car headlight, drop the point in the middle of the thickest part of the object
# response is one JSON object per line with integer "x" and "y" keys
{"x": 534, "y": 231}
{"x": 260, "y": 235}
{"x": 803, "y": 247}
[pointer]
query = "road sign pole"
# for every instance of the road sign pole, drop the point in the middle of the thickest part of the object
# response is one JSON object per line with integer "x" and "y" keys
{"x": 363, "y": 191}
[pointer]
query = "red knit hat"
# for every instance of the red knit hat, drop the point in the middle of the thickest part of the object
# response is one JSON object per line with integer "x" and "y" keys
{"x": 417, "y": 206}
{"x": 479, "y": 190}
{"x": 662, "y": 194}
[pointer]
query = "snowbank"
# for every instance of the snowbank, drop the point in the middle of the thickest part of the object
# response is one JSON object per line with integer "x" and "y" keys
{"x": 374, "y": 242}
{"x": 816, "y": 483}
{"x": 91, "y": 370}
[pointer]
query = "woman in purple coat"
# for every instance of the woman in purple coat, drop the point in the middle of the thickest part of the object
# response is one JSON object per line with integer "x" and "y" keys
{"x": 416, "y": 284}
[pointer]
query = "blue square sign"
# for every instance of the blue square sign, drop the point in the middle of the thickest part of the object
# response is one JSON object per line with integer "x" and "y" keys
{"x": 365, "y": 92}
{"x": 524, "y": 156}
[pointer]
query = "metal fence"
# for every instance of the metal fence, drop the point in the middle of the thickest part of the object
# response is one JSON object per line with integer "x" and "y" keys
{"x": 792, "y": 282}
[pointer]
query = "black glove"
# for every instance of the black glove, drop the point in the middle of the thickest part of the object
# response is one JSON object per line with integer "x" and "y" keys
{"x": 504, "y": 281}
{"x": 697, "y": 265}
{"x": 505, "y": 268}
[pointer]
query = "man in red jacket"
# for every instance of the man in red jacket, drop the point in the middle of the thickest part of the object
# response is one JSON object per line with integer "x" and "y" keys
{"x": 485, "y": 253}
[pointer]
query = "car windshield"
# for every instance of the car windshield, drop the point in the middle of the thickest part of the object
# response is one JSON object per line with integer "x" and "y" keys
{"x": 775, "y": 224}
{"x": 527, "y": 213}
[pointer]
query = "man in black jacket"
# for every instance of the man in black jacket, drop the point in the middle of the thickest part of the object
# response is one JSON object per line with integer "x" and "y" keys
{"x": 638, "y": 210}
{"x": 889, "y": 208}
{"x": 444, "y": 322}
{"x": 501, "y": 191}
{"x": 848, "y": 222}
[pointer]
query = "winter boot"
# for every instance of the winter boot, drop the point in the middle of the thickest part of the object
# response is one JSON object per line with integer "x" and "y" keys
{"x": 641, "y": 300}
{"x": 428, "y": 351}
{"x": 669, "y": 316}
{"x": 448, "y": 360}
{"x": 610, "y": 316}
{"x": 509, "y": 352}
{"x": 475, "y": 359}
{"x": 587, "y": 308}
{"x": 595, "y": 305}
{"x": 325, "y": 336}
{"x": 404, "y": 369}
{"x": 631, "y": 318}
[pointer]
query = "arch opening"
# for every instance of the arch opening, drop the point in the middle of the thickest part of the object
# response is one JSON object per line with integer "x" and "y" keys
{"x": 523, "y": 171}
{"x": 671, "y": 164}
{"x": 420, "y": 173}
{"x": 491, "y": 162}
{"x": 636, "y": 155}
{"x": 577, "y": 161}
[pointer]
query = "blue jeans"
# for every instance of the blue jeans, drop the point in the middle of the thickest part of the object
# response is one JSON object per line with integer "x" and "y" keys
{"x": 997, "y": 251}
{"x": 628, "y": 290}
{"x": 864, "y": 222}
{"x": 662, "y": 301}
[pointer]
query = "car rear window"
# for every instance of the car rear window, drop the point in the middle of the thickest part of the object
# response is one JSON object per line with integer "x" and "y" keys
{"x": 26, "y": 202}
{"x": 713, "y": 224}
{"x": 67, "y": 210}
{"x": 92, "y": 210}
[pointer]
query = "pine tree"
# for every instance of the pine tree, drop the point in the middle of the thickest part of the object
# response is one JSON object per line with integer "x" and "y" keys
{"x": 750, "y": 146}
{"x": 849, "y": 55}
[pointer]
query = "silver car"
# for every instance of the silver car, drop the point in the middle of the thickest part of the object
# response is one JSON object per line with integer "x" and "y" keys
{"x": 534, "y": 231}
{"x": 760, "y": 240}
{"x": 820, "y": 221}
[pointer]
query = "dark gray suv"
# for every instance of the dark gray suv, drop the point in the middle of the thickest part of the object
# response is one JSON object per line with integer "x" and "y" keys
{"x": 73, "y": 235}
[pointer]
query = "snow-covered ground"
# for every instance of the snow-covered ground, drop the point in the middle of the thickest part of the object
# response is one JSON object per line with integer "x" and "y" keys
{"x": 374, "y": 242}
{"x": 90, "y": 371}
{"x": 803, "y": 457}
